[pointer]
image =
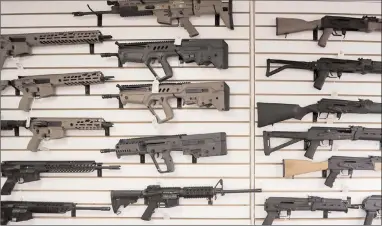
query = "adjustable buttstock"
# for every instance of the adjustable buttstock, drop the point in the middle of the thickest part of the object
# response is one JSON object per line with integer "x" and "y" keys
{"x": 286, "y": 26}
{"x": 293, "y": 167}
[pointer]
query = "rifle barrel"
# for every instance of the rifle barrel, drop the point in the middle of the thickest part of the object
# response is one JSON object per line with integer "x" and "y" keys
{"x": 93, "y": 208}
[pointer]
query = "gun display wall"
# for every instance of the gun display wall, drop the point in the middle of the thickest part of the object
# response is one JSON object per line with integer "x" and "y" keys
{"x": 190, "y": 112}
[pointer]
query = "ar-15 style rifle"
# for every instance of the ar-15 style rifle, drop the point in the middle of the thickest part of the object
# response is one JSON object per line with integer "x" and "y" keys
{"x": 167, "y": 11}
{"x": 55, "y": 128}
{"x": 17, "y": 45}
{"x": 28, "y": 171}
{"x": 156, "y": 196}
{"x": 41, "y": 86}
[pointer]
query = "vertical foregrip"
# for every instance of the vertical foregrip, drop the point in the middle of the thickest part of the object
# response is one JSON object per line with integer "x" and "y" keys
{"x": 149, "y": 211}
{"x": 8, "y": 186}
{"x": 325, "y": 36}
{"x": 34, "y": 143}
{"x": 331, "y": 178}
{"x": 311, "y": 150}
{"x": 269, "y": 218}
{"x": 369, "y": 218}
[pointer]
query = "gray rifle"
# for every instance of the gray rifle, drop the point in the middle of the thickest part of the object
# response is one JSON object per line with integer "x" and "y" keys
{"x": 372, "y": 206}
{"x": 201, "y": 51}
{"x": 198, "y": 145}
{"x": 41, "y": 86}
{"x": 204, "y": 94}
{"x": 330, "y": 26}
{"x": 55, "y": 128}
{"x": 17, "y": 45}
{"x": 167, "y": 11}
{"x": 317, "y": 135}
{"x": 274, "y": 205}
{"x": 335, "y": 165}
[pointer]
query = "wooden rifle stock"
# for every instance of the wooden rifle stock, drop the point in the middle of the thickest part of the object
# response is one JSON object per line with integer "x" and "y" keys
{"x": 292, "y": 167}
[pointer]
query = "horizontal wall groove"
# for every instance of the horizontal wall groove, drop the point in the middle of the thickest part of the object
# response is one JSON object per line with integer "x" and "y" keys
{"x": 119, "y": 26}
{"x": 140, "y": 177}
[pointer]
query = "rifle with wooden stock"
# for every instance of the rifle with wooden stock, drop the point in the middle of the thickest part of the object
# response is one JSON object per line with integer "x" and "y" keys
{"x": 335, "y": 165}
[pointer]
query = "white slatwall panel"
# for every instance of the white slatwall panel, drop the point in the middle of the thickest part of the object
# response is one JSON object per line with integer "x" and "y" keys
{"x": 133, "y": 121}
{"x": 296, "y": 87}
{"x": 250, "y": 44}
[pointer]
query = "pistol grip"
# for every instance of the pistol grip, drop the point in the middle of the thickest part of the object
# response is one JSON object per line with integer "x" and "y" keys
{"x": 167, "y": 160}
{"x": 311, "y": 148}
{"x": 34, "y": 143}
{"x": 166, "y": 108}
{"x": 331, "y": 178}
{"x": 165, "y": 65}
{"x": 319, "y": 78}
{"x": 325, "y": 36}
{"x": 369, "y": 218}
{"x": 149, "y": 211}
{"x": 25, "y": 103}
{"x": 269, "y": 218}
{"x": 8, "y": 186}
{"x": 185, "y": 22}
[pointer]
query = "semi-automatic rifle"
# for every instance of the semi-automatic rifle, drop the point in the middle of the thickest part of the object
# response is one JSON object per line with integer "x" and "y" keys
{"x": 330, "y": 26}
{"x": 166, "y": 11}
{"x": 274, "y": 205}
{"x": 17, "y": 45}
{"x": 372, "y": 206}
{"x": 325, "y": 67}
{"x": 317, "y": 135}
{"x": 198, "y": 145}
{"x": 201, "y": 51}
{"x": 17, "y": 211}
{"x": 205, "y": 94}
{"x": 335, "y": 165}
{"x": 41, "y": 86}
{"x": 55, "y": 128}
{"x": 28, "y": 171}
{"x": 156, "y": 196}
{"x": 270, "y": 113}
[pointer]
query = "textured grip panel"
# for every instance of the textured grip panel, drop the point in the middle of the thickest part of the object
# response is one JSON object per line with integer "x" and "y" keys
{"x": 197, "y": 192}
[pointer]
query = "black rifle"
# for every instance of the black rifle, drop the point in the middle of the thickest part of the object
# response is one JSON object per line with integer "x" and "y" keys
{"x": 325, "y": 67}
{"x": 372, "y": 206}
{"x": 335, "y": 165}
{"x": 28, "y": 171}
{"x": 329, "y": 24}
{"x": 156, "y": 196}
{"x": 270, "y": 113}
{"x": 274, "y": 205}
{"x": 13, "y": 125}
{"x": 201, "y": 51}
{"x": 23, "y": 210}
{"x": 316, "y": 135}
